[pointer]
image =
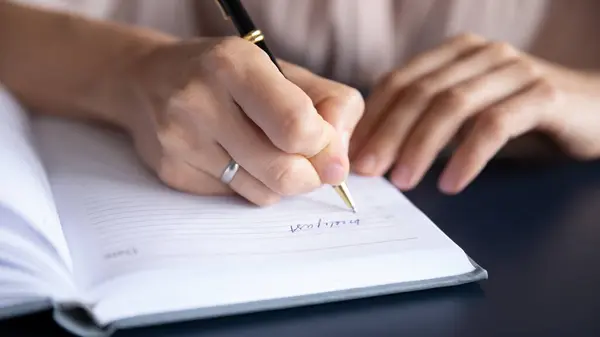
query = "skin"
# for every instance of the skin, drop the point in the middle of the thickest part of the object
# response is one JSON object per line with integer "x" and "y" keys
{"x": 480, "y": 95}
{"x": 190, "y": 106}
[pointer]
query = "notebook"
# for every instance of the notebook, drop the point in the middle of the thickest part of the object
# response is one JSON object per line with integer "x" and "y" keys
{"x": 88, "y": 232}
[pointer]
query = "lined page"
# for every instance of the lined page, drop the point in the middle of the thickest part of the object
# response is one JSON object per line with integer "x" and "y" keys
{"x": 24, "y": 188}
{"x": 119, "y": 219}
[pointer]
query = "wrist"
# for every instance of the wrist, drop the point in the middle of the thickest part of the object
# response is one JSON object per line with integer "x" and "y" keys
{"x": 71, "y": 66}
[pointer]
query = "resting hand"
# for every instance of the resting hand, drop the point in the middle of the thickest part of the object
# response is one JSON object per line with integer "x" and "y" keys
{"x": 208, "y": 101}
{"x": 481, "y": 94}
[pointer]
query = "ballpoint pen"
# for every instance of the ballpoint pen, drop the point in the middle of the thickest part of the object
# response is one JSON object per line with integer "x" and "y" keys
{"x": 234, "y": 10}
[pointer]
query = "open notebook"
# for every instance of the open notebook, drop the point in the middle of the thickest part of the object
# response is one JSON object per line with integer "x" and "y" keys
{"x": 89, "y": 232}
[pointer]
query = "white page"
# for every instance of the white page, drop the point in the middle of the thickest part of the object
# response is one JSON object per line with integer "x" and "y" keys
{"x": 28, "y": 269}
{"x": 121, "y": 224}
{"x": 24, "y": 190}
{"x": 27, "y": 262}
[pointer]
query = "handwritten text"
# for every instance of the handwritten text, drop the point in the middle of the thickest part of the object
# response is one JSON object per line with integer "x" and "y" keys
{"x": 324, "y": 224}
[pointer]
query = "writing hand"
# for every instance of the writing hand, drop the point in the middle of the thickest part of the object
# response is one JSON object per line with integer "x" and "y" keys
{"x": 480, "y": 93}
{"x": 207, "y": 101}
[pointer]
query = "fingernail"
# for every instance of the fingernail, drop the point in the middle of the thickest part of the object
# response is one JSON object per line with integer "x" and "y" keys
{"x": 401, "y": 177}
{"x": 367, "y": 164}
{"x": 448, "y": 181}
{"x": 334, "y": 173}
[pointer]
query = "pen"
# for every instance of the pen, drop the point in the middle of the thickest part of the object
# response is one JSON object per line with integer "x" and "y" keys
{"x": 234, "y": 10}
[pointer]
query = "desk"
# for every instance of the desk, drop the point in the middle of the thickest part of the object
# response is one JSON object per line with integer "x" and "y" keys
{"x": 535, "y": 229}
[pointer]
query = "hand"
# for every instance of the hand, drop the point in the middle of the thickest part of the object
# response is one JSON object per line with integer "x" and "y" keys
{"x": 481, "y": 95}
{"x": 205, "y": 102}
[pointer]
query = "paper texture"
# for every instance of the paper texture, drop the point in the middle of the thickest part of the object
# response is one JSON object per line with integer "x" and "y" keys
{"x": 130, "y": 235}
{"x": 25, "y": 190}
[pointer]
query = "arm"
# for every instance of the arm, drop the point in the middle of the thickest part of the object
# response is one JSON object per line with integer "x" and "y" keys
{"x": 66, "y": 65}
{"x": 189, "y": 106}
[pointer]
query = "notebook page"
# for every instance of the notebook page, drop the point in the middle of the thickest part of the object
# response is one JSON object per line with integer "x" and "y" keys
{"x": 120, "y": 220}
{"x": 27, "y": 268}
{"x": 24, "y": 188}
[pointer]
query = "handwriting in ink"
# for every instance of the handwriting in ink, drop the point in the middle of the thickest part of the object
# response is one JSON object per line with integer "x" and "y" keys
{"x": 323, "y": 224}
{"x": 121, "y": 253}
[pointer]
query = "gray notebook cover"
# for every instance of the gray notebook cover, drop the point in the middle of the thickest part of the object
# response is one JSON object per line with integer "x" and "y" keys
{"x": 79, "y": 321}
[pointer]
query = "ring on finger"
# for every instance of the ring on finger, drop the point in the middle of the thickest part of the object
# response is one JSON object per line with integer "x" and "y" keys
{"x": 229, "y": 172}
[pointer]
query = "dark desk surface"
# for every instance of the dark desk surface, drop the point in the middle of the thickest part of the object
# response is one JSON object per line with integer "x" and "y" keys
{"x": 535, "y": 229}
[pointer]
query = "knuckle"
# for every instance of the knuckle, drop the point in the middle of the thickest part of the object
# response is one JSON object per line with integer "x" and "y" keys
{"x": 389, "y": 77}
{"x": 467, "y": 38}
{"x": 421, "y": 90}
{"x": 453, "y": 99}
{"x": 495, "y": 125}
{"x": 170, "y": 137}
{"x": 394, "y": 78}
{"x": 351, "y": 100}
{"x": 295, "y": 129}
{"x": 529, "y": 69}
{"x": 503, "y": 50}
{"x": 164, "y": 135}
{"x": 223, "y": 55}
{"x": 169, "y": 173}
{"x": 354, "y": 98}
{"x": 549, "y": 92}
{"x": 283, "y": 174}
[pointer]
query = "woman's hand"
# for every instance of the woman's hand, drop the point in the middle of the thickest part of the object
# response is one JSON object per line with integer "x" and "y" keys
{"x": 480, "y": 94}
{"x": 189, "y": 106}
{"x": 202, "y": 103}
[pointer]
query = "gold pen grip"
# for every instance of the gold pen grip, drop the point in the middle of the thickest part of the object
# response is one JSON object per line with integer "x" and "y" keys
{"x": 254, "y": 36}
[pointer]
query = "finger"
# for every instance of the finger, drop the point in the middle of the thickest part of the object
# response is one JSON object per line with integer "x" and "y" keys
{"x": 449, "y": 112}
{"x": 279, "y": 107}
{"x": 339, "y": 104}
{"x": 481, "y": 59}
{"x": 385, "y": 93}
{"x": 214, "y": 159}
{"x": 380, "y": 150}
{"x": 286, "y": 174}
{"x": 212, "y": 116}
{"x": 492, "y": 129}
{"x": 333, "y": 165}
{"x": 281, "y": 172}
{"x": 392, "y": 133}
{"x": 180, "y": 175}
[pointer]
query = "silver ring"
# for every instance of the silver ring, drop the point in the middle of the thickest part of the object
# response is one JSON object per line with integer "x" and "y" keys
{"x": 229, "y": 172}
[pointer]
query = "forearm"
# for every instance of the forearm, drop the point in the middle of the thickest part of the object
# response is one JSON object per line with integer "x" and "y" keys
{"x": 61, "y": 64}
